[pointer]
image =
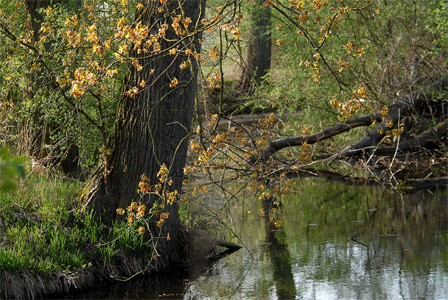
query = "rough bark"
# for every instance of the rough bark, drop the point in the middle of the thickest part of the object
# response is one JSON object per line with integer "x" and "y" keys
{"x": 258, "y": 55}
{"x": 151, "y": 129}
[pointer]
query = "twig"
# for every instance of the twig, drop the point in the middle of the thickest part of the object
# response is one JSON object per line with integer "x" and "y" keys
{"x": 353, "y": 239}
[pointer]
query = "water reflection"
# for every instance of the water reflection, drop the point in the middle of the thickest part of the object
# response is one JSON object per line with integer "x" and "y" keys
{"x": 279, "y": 253}
{"x": 336, "y": 242}
{"x": 406, "y": 241}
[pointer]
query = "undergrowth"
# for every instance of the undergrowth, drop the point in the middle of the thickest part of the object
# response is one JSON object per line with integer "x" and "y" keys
{"x": 42, "y": 229}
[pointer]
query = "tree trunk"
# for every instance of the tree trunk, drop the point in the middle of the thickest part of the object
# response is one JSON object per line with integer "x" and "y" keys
{"x": 258, "y": 55}
{"x": 36, "y": 132}
{"x": 151, "y": 129}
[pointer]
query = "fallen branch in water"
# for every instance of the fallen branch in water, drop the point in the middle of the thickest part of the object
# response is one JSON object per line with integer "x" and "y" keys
{"x": 368, "y": 144}
{"x": 425, "y": 139}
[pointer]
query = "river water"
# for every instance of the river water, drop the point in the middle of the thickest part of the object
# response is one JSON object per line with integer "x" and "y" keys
{"x": 336, "y": 241}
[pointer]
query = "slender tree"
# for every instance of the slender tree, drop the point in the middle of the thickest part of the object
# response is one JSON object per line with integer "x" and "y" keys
{"x": 37, "y": 132}
{"x": 34, "y": 140}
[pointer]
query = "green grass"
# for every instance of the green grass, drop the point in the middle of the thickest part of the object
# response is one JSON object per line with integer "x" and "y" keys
{"x": 35, "y": 226}
{"x": 42, "y": 229}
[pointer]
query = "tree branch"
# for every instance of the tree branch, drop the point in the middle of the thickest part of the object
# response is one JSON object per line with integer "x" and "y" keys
{"x": 400, "y": 107}
{"x": 314, "y": 138}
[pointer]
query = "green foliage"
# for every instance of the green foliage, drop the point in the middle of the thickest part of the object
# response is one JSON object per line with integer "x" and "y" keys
{"x": 36, "y": 73}
{"x": 44, "y": 230}
{"x": 438, "y": 25}
{"x": 11, "y": 167}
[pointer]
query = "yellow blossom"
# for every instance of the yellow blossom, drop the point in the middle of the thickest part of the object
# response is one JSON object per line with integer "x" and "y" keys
{"x": 141, "y": 230}
{"x": 184, "y": 65}
{"x": 174, "y": 82}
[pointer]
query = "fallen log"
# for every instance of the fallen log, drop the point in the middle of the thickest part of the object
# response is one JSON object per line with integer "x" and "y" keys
{"x": 413, "y": 185}
{"x": 425, "y": 139}
{"x": 277, "y": 145}
{"x": 399, "y": 108}
{"x": 402, "y": 106}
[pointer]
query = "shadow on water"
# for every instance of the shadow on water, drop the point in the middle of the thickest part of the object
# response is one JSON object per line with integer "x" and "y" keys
{"x": 168, "y": 286}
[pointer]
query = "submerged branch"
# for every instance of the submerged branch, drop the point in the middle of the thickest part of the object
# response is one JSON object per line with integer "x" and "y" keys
{"x": 408, "y": 186}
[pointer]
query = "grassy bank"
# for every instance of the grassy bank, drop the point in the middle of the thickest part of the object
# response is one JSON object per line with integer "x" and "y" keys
{"x": 45, "y": 238}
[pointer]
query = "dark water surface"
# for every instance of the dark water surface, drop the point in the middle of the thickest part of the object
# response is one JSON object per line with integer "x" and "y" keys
{"x": 336, "y": 242}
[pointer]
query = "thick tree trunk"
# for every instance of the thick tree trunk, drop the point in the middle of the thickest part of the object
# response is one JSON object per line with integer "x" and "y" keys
{"x": 151, "y": 129}
{"x": 258, "y": 55}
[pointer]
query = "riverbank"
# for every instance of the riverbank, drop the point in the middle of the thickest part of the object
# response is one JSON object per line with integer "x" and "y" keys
{"x": 32, "y": 284}
{"x": 49, "y": 247}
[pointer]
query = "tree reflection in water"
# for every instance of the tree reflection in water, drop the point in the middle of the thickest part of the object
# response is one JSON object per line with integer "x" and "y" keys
{"x": 279, "y": 253}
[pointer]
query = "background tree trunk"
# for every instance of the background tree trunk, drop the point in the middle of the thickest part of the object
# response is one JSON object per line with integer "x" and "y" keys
{"x": 151, "y": 129}
{"x": 37, "y": 132}
{"x": 258, "y": 55}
